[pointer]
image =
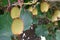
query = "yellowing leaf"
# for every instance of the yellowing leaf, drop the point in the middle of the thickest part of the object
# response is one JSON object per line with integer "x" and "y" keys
{"x": 15, "y": 12}
{"x": 17, "y": 26}
{"x": 44, "y": 6}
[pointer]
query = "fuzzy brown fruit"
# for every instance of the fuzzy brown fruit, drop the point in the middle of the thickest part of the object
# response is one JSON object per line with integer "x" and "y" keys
{"x": 15, "y": 12}
{"x": 44, "y": 7}
{"x": 17, "y": 26}
{"x": 56, "y": 16}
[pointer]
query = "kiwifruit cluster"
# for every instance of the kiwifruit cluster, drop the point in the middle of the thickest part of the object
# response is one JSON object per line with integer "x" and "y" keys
{"x": 17, "y": 26}
{"x": 44, "y": 7}
{"x": 33, "y": 10}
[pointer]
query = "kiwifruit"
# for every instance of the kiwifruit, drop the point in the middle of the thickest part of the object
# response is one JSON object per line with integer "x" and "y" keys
{"x": 15, "y": 12}
{"x": 56, "y": 16}
{"x": 44, "y": 6}
{"x": 30, "y": 9}
{"x": 35, "y": 12}
{"x": 17, "y": 26}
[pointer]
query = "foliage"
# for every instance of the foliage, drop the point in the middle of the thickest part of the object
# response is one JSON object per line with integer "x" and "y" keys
{"x": 44, "y": 25}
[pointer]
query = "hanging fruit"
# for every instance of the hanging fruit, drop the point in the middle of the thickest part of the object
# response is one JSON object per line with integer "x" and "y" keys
{"x": 30, "y": 9}
{"x": 15, "y": 12}
{"x": 35, "y": 12}
{"x": 44, "y": 6}
{"x": 17, "y": 26}
{"x": 57, "y": 13}
{"x": 56, "y": 16}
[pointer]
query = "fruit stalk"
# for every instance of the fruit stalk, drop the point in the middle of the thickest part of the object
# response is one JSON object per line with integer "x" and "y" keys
{"x": 20, "y": 2}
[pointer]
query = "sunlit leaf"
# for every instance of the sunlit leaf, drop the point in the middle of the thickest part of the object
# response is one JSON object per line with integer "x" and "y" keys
{"x": 27, "y": 18}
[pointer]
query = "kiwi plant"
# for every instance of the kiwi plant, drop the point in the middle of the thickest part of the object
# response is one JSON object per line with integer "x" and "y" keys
{"x": 25, "y": 13}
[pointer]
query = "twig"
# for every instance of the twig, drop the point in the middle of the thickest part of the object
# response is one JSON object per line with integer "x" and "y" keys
{"x": 20, "y": 2}
{"x": 8, "y": 2}
{"x": 25, "y": 3}
{"x": 8, "y": 7}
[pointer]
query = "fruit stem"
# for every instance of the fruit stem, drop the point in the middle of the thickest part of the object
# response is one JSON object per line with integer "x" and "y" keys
{"x": 15, "y": 37}
{"x": 8, "y": 2}
{"x": 20, "y": 2}
{"x": 24, "y": 3}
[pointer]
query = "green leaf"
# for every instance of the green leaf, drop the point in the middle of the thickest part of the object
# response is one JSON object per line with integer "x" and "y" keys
{"x": 41, "y": 30}
{"x": 50, "y": 37}
{"x": 39, "y": 11}
{"x": 5, "y": 26}
{"x": 5, "y": 38}
{"x": 5, "y": 2}
{"x": 57, "y": 34}
{"x": 49, "y": 14}
{"x": 27, "y": 18}
{"x": 52, "y": 29}
{"x": 35, "y": 20}
{"x": 12, "y": 1}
